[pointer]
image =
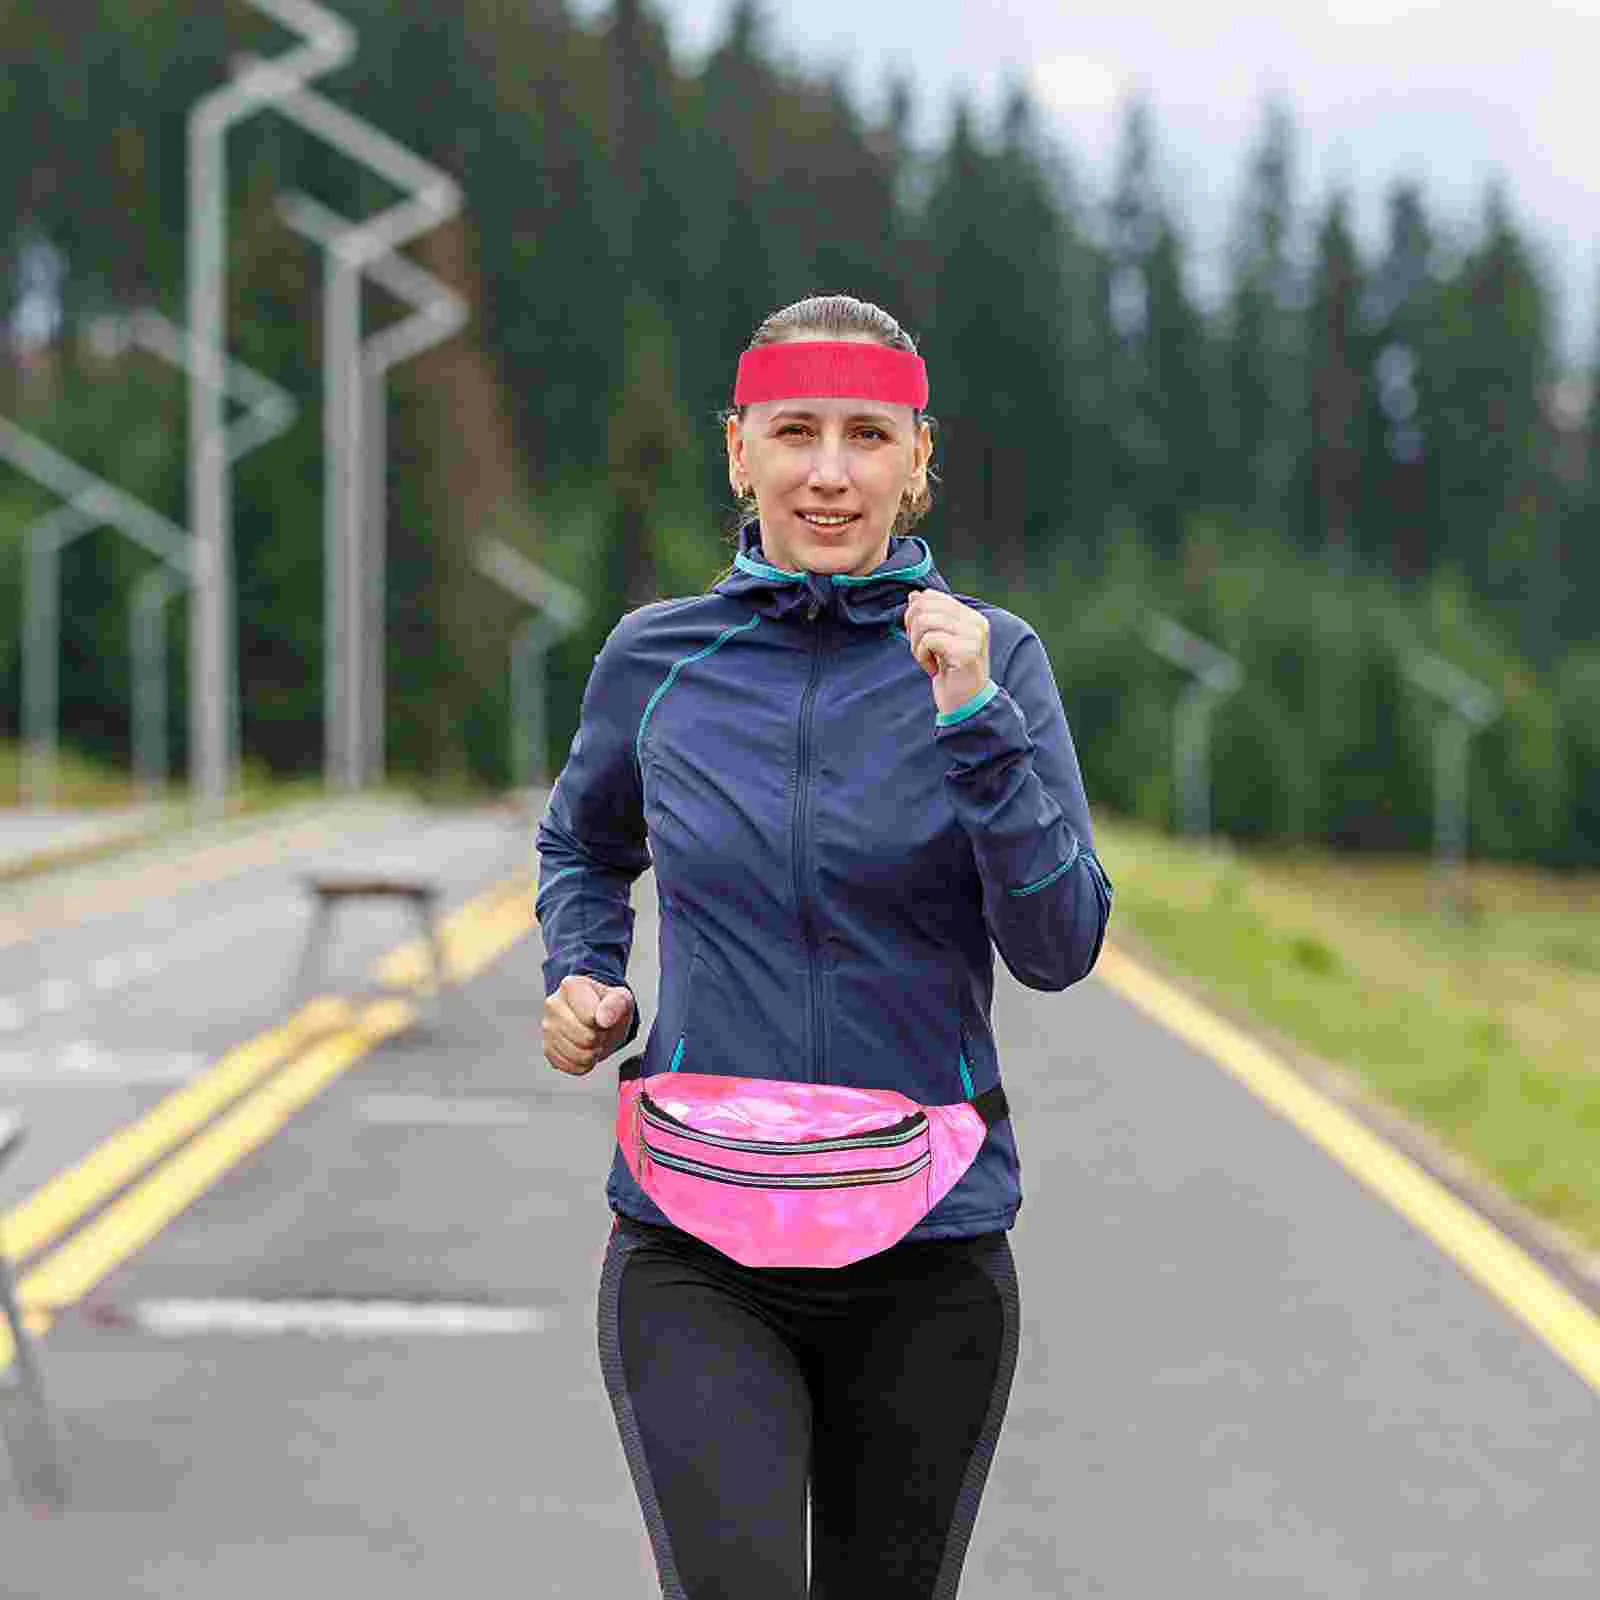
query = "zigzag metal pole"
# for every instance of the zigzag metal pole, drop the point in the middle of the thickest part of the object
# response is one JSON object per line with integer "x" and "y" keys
{"x": 558, "y": 609}
{"x": 326, "y": 42}
{"x": 1214, "y": 675}
{"x": 269, "y": 412}
{"x": 438, "y": 313}
{"x": 349, "y": 375}
{"x": 91, "y": 503}
{"x": 41, "y": 655}
{"x": 1471, "y": 706}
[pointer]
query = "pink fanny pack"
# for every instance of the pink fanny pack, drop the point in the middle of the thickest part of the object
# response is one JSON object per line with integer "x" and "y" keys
{"x": 794, "y": 1174}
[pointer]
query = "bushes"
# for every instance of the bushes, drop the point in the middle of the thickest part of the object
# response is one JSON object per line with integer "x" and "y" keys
{"x": 1326, "y": 740}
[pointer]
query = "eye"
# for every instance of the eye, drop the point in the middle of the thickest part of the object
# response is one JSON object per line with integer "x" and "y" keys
{"x": 792, "y": 429}
{"x": 871, "y": 433}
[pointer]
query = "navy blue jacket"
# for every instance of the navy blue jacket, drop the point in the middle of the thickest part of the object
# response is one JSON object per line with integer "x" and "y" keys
{"x": 834, "y": 863}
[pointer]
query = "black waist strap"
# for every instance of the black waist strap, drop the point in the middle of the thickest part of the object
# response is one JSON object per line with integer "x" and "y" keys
{"x": 990, "y": 1105}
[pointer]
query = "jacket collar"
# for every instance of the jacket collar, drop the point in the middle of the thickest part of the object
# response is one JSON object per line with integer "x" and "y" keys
{"x": 870, "y": 601}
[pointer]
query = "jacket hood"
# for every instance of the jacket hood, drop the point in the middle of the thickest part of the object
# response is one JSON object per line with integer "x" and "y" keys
{"x": 871, "y": 601}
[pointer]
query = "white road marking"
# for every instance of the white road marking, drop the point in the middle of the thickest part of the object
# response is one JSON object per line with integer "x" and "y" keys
{"x": 426, "y": 1110}
{"x": 81, "y": 1062}
{"x": 57, "y": 995}
{"x": 106, "y": 973}
{"x": 125, "y": 968}
{"x": 334, "y": 1318}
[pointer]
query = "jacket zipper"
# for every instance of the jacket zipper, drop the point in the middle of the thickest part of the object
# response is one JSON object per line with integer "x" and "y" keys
{"x": 802, "y": 824}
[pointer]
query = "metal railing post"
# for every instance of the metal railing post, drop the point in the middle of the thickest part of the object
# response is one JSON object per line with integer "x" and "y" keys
{"x": 326, "y": 42}
{"x": 1216, "y": 675}
{"x": 559, "y": 609}
{"x": 1470, "y": 706}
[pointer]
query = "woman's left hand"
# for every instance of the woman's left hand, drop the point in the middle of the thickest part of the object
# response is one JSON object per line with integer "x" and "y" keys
{"x": 951, "y": 643}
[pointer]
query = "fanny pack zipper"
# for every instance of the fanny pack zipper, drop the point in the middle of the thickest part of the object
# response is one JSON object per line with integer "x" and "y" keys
{"x": 878, "y": 1139}
{"x": 803, "y": 1180}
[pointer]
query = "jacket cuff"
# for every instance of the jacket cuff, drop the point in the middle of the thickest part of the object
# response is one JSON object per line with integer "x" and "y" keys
{"x": 951, "y": 719}
{"x": 992, "y": 732}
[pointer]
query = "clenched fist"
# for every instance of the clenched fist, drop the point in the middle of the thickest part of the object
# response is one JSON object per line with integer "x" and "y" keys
{"x": 951, "y": 643}
{"x": 584, "y": 1021}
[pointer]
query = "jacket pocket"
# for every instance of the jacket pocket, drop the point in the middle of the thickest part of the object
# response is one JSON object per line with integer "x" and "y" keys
{"x": 894, "y": 1029}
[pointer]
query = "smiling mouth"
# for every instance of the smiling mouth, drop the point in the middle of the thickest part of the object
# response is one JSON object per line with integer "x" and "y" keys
{"x": 828, "y": 519}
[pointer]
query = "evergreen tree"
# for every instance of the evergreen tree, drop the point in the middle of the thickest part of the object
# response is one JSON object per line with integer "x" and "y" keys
{"x": 1582, "y": 545}
{"x": 1159, "y": 360}
{"x": 647, "y": 451}
{"x": 959, "y": 319}
{"x": 733, "y": 242}
{"x": 1399, "y": 438}
{"x": 1265, "y": 354}
{"x": 1496, "y": 502}
{"x": 999, "y": 341}
{"x": 1336, "y": 364}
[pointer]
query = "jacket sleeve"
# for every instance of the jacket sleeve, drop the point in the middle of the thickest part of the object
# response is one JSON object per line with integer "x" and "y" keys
{"x": 591, "y": 840}
{"x": 1014, "y": 782}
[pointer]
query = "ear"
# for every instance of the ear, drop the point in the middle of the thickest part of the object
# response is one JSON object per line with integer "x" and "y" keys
{"x": 922, "y": 457}
{"x": 736, "y": 468}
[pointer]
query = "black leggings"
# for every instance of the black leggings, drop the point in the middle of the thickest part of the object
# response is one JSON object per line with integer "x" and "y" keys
{"x": 878, "y": 1387}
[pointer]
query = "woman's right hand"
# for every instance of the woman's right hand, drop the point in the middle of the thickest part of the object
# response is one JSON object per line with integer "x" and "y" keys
{"x": 584, "y": 1021}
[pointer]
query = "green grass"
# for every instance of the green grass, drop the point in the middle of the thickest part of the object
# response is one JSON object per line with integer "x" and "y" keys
{"x": 1482, "y": 1029}
{"x": 79, "y": 781}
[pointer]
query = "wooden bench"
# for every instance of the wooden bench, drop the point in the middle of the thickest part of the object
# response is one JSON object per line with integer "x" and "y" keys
{"x": 30, "y": 1439}
{"x": 331, "y": 891}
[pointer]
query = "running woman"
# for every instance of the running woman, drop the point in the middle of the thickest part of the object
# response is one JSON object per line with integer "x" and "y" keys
{"x": 854, "y": 787}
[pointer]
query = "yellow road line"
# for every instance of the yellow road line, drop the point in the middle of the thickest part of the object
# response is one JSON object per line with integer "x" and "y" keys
{"x": 59, "y": 1204}
{"x": 475, "y": 935}
{"x": 54, "y": 1207}
{"x": 139, "y": 1215}
{"x": 1500, "y": 1266}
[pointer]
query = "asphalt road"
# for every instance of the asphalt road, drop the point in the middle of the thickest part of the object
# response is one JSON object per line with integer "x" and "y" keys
{"x": 1240, "y": 1372}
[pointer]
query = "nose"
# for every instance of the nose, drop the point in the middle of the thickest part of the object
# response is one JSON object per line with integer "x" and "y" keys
{"x": 828, "y": 465}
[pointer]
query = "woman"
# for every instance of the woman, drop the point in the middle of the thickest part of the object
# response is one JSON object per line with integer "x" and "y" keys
{"x": 853, "y": 787}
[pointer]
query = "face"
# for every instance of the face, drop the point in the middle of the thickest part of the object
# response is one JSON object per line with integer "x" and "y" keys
{"x": 828, "y": 477}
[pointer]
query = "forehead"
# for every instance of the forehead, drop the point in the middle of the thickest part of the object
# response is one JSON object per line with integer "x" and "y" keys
{"x": 828, "y": 408}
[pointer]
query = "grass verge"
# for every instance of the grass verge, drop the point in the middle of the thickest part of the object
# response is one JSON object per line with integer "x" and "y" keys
{"x": 1480, "y": 1030}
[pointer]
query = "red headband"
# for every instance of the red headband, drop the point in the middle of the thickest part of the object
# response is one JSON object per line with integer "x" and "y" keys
{"x": 842, "y": 369}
